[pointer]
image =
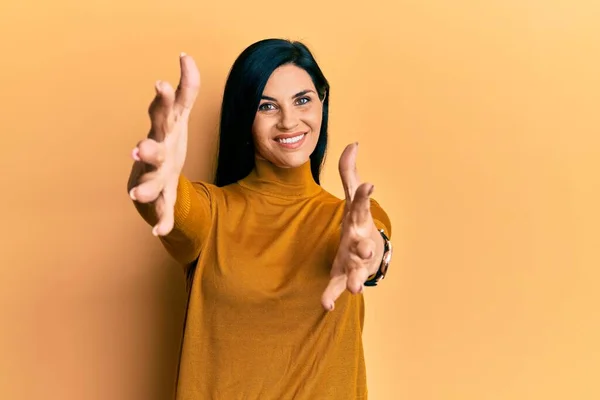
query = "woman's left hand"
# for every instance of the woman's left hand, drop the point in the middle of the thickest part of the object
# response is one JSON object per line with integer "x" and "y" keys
{"x": 361, "y": 245}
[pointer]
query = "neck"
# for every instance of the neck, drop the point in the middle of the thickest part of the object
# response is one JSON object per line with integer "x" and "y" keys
{"x": 269, "y": 179}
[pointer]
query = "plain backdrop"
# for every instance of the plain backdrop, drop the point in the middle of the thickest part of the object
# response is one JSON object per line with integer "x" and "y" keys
{"x": 478, "y": 124}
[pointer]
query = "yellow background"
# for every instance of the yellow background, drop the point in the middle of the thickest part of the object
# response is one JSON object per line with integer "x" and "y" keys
{"x": 479, "y": 126}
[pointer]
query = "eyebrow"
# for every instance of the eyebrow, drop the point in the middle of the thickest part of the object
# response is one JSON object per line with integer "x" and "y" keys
{"x": 299, "y": 94}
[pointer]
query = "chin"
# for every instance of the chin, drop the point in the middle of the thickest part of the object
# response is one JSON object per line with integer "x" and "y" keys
{"x": 292, "y": 160}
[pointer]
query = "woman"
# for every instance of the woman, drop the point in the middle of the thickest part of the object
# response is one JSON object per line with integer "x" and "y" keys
{"x": 265, "y": 242}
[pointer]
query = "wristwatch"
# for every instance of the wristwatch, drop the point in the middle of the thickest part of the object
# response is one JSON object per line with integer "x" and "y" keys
{"x": 385, "y": 262}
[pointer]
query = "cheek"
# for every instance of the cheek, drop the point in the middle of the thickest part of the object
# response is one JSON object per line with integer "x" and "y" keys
{"x": 260, "y": 130}
{"x": 314, "y": 119}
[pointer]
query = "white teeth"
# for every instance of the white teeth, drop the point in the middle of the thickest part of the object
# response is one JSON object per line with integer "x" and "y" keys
{"x": 291, "y": 140}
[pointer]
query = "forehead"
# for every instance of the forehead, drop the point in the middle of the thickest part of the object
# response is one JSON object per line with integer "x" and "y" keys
{"x": 288, "y": 80}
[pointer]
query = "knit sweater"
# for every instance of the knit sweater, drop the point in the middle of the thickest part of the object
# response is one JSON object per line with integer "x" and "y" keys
{"x": 258, "y": 254}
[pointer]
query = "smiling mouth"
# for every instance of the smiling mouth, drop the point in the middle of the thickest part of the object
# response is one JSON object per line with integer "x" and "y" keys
{"x": 291, "y": 140}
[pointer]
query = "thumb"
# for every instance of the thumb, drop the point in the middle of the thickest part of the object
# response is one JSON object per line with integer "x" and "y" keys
{"x": 336, "y": 286}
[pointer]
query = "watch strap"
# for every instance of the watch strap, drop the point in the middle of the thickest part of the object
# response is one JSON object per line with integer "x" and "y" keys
{"x": 385, "y": 262}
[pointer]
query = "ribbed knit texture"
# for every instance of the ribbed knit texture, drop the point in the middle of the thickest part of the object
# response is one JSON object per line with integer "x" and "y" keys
{"x": 255, "y": 328}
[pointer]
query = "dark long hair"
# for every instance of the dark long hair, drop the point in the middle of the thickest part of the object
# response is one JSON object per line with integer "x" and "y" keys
{"x": 243, "y": 90}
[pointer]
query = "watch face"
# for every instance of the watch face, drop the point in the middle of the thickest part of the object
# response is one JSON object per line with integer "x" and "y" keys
{"x": 388, "y": 255}
{"x": 387, "y": 258}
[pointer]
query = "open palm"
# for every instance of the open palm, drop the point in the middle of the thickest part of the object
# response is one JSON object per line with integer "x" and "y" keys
{"x": 354, "y": 261}
{"x": 160, "y": 157}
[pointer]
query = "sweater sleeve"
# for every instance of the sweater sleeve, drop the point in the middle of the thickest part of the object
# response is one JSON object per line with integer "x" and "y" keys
{"x": 381, "y": 219}
{"x": 192, "y": 220}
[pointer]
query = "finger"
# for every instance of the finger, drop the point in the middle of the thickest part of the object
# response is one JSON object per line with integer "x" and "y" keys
{"x": 159, "y": 205}
{"x": 365, "y": 249}
{"x": 165, "y": 220}
{"x": 356, "y": 279}
{"x": 150, "y": 152}
{"x": 348, "y": 172}
{"x": 355, "y": 270}
{"x": 189, "y": 84}
{"x": 166, "y": 211}
{"x": 335, "y": 288}
{"x": 161, "y": 110}
{"x": 148, "y": 189}
{"x": 360, "y": 208}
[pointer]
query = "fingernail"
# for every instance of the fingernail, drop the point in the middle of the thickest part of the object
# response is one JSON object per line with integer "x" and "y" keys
{"x": 155, "y": 230}
{"x": 182, "y": 54}
{"x": 132, "y": 194}
{"x": 135, "y": 154}
{"x": 371, "y": 190}
{"x": 362, "y": 287}
{"x": 331, "y": 307}
{"x": 356, "y": 144}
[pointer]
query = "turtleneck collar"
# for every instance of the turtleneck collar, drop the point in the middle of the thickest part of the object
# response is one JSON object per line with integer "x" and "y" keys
{"x": 272, "y": 180}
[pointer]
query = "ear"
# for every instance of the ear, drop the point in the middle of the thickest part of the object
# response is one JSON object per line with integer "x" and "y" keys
{"x": 324, "y": 97}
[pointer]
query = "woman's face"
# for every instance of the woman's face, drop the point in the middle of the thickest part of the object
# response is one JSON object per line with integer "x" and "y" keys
{"x": 288, "y": 121}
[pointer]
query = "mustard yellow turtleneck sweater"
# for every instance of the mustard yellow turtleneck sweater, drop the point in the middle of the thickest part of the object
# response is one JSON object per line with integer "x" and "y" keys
{"x": 255, "y": 328}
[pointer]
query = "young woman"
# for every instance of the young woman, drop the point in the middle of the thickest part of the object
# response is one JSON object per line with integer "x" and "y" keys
{"x": 264, "y": 243}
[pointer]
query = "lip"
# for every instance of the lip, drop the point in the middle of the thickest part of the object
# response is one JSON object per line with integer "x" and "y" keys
{"x": 291, "y": 146}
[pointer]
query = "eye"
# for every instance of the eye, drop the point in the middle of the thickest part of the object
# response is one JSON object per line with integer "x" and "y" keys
{"x": 303, "y": 100}
{"x": 266, "y": 107}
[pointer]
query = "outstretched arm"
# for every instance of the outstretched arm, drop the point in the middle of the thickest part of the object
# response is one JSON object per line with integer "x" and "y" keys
{"x": 361, "y": 247}
{"x": 178, "y": 210}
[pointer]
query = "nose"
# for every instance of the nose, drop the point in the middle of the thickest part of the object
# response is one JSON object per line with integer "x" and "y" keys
{"x": 289, "y": 119}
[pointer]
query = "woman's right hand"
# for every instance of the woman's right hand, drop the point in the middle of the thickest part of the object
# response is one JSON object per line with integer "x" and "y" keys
{"x": 159, "y": 159}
